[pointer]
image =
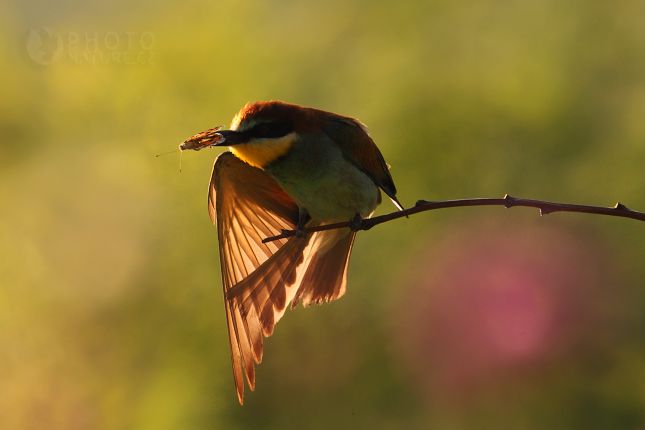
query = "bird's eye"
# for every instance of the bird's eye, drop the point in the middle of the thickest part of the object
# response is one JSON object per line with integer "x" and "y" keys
{"x": 272, "y": 130}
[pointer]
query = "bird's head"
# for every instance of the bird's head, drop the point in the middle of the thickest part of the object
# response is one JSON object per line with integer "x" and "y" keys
{"x": 261, "y": 132}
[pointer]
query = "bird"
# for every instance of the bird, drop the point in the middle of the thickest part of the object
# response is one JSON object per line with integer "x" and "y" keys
{"x": 288, "y": 167}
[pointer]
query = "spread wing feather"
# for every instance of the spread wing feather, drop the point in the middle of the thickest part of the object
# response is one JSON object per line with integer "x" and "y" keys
{"x": 247, "y": 205}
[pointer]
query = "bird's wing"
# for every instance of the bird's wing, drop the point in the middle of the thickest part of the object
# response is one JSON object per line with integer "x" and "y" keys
{"x": 352, "y": 136}
{"x": 247, "y": 205}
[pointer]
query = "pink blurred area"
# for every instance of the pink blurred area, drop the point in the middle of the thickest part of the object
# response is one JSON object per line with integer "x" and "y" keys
{"x": 505, "y": 303}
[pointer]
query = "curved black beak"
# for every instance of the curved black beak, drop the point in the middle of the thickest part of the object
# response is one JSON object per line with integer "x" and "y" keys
{"x": 232, "y": 137}
{"x": 214, "y": 137}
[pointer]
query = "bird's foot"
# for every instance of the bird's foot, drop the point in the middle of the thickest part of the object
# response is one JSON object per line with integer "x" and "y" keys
{"x": 356, "y": 222}
{"x": 300, "y": 231}
{"x": 303, "y": 217}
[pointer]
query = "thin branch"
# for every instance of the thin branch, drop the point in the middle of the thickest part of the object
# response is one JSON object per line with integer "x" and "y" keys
{"x": 508, "y": 202}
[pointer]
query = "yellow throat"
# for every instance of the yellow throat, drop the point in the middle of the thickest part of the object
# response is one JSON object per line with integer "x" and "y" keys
{"x": 262, "y": 152}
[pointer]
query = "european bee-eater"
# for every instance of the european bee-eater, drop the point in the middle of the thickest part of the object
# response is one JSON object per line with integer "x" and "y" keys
{"x": 289, "y": 167}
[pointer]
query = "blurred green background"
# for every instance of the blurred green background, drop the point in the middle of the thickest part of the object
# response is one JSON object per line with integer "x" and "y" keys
{"x": 111, "y": 310}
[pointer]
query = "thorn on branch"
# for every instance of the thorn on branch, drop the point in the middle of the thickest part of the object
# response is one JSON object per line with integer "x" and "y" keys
{"x": 509, "y": 201}
{"x": 621, "y": 207}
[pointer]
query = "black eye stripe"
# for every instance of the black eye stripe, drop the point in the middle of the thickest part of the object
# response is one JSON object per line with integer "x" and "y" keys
{"x": 271, "y": 130}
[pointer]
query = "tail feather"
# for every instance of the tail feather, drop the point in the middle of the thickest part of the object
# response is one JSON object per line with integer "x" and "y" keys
{"x": 326, "y": 276}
